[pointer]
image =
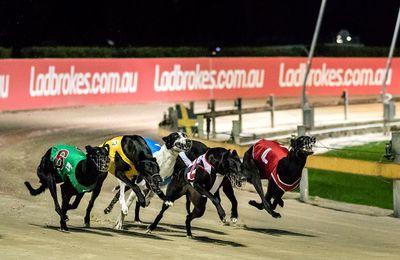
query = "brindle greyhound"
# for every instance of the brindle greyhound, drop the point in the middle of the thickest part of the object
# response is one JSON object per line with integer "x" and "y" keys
{"x": 83, "y": 173}
{"x": 202, "y": 180}
{"x": 282, "y": 168}
{"x": 183, "y": 161}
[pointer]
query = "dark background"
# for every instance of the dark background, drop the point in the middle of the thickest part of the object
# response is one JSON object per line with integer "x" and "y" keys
{"x": 191, "y": 22}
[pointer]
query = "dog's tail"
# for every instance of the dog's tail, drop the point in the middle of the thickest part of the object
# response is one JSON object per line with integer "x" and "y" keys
{"x": 35, "y": 192}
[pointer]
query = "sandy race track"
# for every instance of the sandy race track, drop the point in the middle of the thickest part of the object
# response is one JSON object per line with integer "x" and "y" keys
{"x": 29, "y": 225}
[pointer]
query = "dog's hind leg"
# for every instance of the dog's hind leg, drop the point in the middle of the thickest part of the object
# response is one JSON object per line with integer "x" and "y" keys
{"x": 66, "y": 193}
{"x": 114, "y": 200}
{"x": 51, "y": 183}
{"x": 188, "y": 203}
{"x": 112, "y": 203}
{"x": 176, "y": 189}
{"x": 41, "y": 169}
{"x": 197, "y": 212}
{"x": 153, "y": 225}
{"x": 35, "y": 192}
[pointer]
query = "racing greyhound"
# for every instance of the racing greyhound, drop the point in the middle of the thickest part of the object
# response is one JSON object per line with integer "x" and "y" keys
{"x": 78, "y": 172}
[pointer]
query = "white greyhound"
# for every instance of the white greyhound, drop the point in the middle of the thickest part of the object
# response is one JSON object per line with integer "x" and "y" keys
{"x": 175, "y": 143}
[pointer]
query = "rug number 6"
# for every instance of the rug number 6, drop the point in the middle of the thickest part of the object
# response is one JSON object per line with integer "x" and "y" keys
{"x": 60, "y": 157}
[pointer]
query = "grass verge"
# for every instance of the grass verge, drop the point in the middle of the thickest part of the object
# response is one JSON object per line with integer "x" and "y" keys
{"x": 365, "y": 190}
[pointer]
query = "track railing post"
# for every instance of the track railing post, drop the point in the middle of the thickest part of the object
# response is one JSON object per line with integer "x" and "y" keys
{"x": 345, "y": 97}
{"x": 200, "y": 126}
{"x": 304, "y": 185}
{"x": 301, "y": 130}
{"x": 238, "y": 104}
{"x": 396, "y": 183}
{"x": 271, "y": 103}
{"x": 211, "y": 106}
{"x": 208, "y": 120}
{"x": 235, "y": 131}
{"x": 173, "y": 116}
{"x": 191, "y": 106}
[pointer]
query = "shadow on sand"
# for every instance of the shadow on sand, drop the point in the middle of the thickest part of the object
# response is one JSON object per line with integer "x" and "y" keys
{"x": 102, "y": 231}
{"x": 210, "y": 240}
{"x": 276, "y": 232}
{"x": 164, "y": 227}
{"x": 129, "y": 233}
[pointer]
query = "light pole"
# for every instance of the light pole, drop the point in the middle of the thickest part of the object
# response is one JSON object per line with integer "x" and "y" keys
{"x": 388, "y": 105}
{"x": 308, "y": 112}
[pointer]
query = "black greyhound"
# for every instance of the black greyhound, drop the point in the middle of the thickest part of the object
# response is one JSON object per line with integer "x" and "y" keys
{"x": 78, "y": 172}
{"x": 197, "y": 149}
{"x": 282, "y": 168}
{"x": 201, "y": 180}
{"x": 133, "y": 162}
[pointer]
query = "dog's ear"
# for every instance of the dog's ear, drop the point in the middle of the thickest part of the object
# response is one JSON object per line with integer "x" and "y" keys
{"x": 168, "y": 140}
{"x": 225, "y": 156}
{"x": 234, "y": 153}
{"x": 107, "y": 147}
{"x": 88, "y": 148}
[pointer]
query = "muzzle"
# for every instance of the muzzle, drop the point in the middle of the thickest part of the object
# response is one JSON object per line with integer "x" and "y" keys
{"x": 154, "y": 182}
{"x": 102, "y": 163}
{"x": 184, "y": 146}
{"x": 237, "y": 181}
{"x": 309, "y": 145}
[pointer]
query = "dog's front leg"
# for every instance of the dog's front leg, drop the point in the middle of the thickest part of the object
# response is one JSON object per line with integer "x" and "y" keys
{"x": 76, "y": 202}
{"x": 229, "y": 192}
{"x": 124, "y": 207}
{"x": 95, "y": 194}
{"x": 121, "y": 217}
{"x": 214, "y": 200}
{"x": 51, "y": 183}
{"x": 66, "y": 194}
{"x": 121, "y": 176}
{"x": 256, "y": 181}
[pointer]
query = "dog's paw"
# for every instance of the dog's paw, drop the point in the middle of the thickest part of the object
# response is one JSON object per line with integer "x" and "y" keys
{"x": 125, "y": 210}
{"x": 119, "y": 226}
{"x": 168, "y": 203}
{"x": 64, "y": 229}
{"x": 148, "y": 231}
{"x": 87, "y": 224}
{"x": 234, "y": 221}
{"x": 190, "y": 236}
{"x": 225, "y": 222}
{"x": 276, "y": 214}
{"x": 138, "y": 221}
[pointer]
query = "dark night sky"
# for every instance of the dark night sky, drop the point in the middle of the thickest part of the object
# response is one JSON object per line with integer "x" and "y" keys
{"x": 191, "y": 22}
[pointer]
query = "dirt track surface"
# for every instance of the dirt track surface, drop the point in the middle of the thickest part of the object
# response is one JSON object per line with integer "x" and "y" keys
{"x": 29, "y": 225}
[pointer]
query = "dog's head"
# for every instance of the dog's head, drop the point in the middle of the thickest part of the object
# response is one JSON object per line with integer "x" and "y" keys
{"x": 151, "y": 172}
{"x": 177, "y": 141}
{"x": 98, "y": 156}
{"x": 303, "y": 144}
{"x": 233, "y": 168}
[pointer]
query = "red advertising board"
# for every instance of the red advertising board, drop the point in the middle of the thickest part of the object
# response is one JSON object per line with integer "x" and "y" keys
{"x": 45, "y": 83}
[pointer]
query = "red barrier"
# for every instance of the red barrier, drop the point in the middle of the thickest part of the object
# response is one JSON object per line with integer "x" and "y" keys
{"x": 45, "y": 83}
